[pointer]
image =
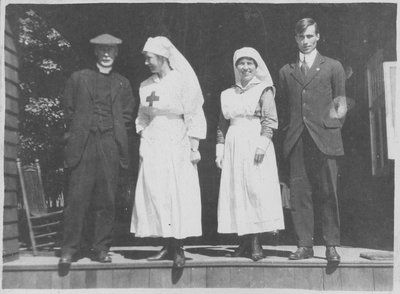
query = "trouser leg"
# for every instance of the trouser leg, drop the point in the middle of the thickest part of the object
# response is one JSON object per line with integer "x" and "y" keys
{"x": 87, "y": 230}
{"x": 80, "y": 187}
{"x": 322, "y": 170}
{"x": 107, "y": 173}
{"x": 301, "y": 196}
{"x": 329, "y": 202}
{"x": 315, "y": 173}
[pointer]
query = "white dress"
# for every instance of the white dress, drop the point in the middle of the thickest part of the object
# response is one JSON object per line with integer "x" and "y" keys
{"x": 167, "y": 198}
{"x": 249, "y": 197}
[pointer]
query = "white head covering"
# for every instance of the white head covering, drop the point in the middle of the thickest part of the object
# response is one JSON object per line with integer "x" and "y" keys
{"x": 162, "y": 46}
{"x": 262, "y": 72}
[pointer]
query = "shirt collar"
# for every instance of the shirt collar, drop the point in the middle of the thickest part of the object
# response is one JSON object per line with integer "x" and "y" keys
{"x": 310, "y": 57}
{"x": 103, "y": 70}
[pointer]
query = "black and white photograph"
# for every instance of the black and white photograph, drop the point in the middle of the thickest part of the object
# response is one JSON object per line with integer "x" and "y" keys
{"x": 132, "y": 159}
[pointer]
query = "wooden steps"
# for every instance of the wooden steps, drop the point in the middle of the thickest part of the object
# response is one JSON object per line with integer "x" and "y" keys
{"x": 206, "y": 267}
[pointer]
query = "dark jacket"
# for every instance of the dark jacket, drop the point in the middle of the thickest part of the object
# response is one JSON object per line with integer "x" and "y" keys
{"x": 310, "y": 100}
{"x": 78, "y": 107}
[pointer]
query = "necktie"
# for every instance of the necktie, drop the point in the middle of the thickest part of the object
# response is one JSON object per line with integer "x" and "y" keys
{"x": 304, "y": 67}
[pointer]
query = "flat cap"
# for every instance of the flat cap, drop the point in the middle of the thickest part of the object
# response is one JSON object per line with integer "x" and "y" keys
{"x": 105, "y": 39}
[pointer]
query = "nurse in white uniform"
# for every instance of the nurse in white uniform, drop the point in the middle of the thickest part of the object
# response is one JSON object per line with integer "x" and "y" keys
{"x": 249, "y": 198}
{"x": 171, "y": 122}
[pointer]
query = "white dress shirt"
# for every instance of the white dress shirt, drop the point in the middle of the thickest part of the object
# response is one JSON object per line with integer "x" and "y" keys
{"x": 309, "y": 58}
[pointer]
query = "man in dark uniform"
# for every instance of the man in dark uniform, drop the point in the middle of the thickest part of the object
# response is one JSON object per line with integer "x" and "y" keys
{"x": 98, "y": 106}
{"x": 314, "y": 86}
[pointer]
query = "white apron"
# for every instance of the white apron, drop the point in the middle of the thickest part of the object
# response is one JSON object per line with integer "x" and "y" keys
{"x": 167, "y": 198}
{"x": 249, "y": 197}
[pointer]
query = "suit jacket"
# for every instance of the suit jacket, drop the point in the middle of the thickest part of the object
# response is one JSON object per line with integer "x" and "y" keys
{"x": 78, "y": 108}
{"x": 310, "y": 103}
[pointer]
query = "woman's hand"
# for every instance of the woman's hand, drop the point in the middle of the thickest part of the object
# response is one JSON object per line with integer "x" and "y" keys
{"x": 219, "y": 153}
{"x": 259, "y": 156}
{"x": 218, "y": 161}
{"x": 195, "y": 156}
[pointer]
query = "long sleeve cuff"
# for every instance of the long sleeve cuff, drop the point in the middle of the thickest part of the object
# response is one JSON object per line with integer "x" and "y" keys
{"x": 219, "y": 150}
{"x": 197, "y": 125}
{"x": 194, "y": 143}
{"x": 139, "y": 128}
{"x": 263, "y": 143}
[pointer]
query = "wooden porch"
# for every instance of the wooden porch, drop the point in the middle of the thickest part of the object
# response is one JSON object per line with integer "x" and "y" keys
{"x": 206, "y": 267}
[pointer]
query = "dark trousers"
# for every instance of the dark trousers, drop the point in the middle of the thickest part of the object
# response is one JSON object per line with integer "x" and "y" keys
{"x": 313, "y": 177}
{"x": 92, "y": 183}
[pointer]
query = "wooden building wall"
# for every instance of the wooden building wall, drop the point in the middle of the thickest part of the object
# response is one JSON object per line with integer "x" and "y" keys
{"x": 10, "y": 220}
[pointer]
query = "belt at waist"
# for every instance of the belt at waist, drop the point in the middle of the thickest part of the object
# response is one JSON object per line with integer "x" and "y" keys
{"x": 240, "y": 120}
{"x": 168, "y": 115}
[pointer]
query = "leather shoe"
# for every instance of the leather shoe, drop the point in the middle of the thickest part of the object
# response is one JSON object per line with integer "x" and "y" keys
{"x": 163, "y": 254}
{"x": 302, "y": 253}
{"x": 101, "y": 256}
{"x": 64, "y": 264}
{"x": 179, "y": 258}
{"x": 241, "y": 250}
{"x": 65, "y": 259}
{"x": 256, "y": 249}
{"x": 331, "y": 254}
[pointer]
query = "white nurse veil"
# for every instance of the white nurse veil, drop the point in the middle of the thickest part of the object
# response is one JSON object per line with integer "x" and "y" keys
{"x": 162, "y": 46}
{"x": 262, "y": 72}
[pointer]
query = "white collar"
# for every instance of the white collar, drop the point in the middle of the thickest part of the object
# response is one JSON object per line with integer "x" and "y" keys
{"x": 157, "y": 79}
{"x": 104, "y": 70}
{"x": 310, "y": 57}
{"x": 254, "y": 80}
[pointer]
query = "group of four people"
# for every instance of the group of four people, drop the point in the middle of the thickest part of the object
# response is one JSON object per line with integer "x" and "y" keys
{"x": 99, "y": 109}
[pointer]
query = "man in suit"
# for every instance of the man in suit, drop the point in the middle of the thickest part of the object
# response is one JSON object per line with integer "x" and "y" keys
{"x": 98, "y": 106}
{"x": 314, "y": 88}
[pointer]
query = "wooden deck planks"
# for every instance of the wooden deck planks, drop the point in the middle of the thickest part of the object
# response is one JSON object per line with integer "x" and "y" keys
{"x": 201, "y": 271}
{"x": 308, "y": 278}
{"x": 240, "y": 277}
{"x": 11, "y": 280}
{"x": 383, "y": 279}
{"x": 332, "y": 279}
{"x": 121, "y": 278}
{"x": 218, "y": 277}
{"x": 257, "y": 277}
{"x": 28, "y": 280}
{"x": 277, "y": 277}
{"x": 104, "y": 278}
{"x": 78, "y": 279}
{"x": 355, "y": 279}
{"x": 43, "y": 280}
{"x": 58, "y": 282}
{"x": 346, "y": 278}
{"x": 91, "y": 279}
{"x": 198, "y": 277}
{"x": 140, "y": 278}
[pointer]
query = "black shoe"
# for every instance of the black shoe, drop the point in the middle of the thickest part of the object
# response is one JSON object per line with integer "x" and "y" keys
{"x": 302, "y": 253}
{"x": 64, "y": 264}
{"x": 256, "y": 249}
{"x": 65, "y": 259}
{"x": 101, "y": 256}
{"x": 241, "y": 250}
{"x": 179, "y": 258}
{"x": 331, "y": 254}
{"x": 163, "y": 254}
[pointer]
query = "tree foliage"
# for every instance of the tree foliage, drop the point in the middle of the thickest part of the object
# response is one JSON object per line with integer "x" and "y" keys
{"x": 44, "y": 55}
